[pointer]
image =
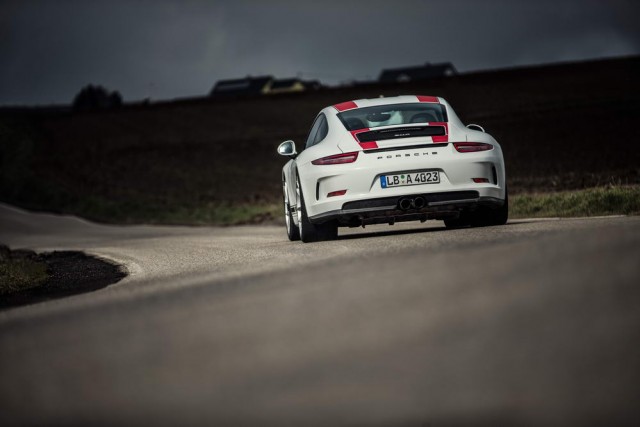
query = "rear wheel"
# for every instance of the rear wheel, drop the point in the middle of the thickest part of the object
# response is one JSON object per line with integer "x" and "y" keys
{"x": 463, "y": 220}
{"x": 501, "y": 215}
{"x": 482, "y": 217}
{"x": 313, "y": 232}
{"x": 486, "y": 216}
{"x": 293, "y": 233}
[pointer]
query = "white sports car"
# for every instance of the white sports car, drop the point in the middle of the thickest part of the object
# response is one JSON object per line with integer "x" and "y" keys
{"x": 385, "y": 160}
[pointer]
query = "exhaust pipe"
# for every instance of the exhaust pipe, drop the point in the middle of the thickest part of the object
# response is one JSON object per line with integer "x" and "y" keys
{"x": 405, "y": 204}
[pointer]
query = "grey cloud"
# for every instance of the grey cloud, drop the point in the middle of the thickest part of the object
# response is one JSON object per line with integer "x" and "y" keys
{"x": 166, "y": 49}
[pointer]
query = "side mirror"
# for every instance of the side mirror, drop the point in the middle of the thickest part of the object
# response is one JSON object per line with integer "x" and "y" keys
{"x": 475, "y": 127}
{"x": 287, "y": 148}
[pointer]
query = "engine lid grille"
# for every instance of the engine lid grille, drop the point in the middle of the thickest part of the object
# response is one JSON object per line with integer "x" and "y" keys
{"x": 397, "y": 133}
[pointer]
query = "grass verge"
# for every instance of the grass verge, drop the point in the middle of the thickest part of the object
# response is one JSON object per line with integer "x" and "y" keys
{"x": 20, "y": 273}
{"x": 27, "y": 277}
{"x": 609, "y": 200}
{"x": 612, "y": 200}
{"x": 216, "y": 213}
{"x": 225, "y": 214}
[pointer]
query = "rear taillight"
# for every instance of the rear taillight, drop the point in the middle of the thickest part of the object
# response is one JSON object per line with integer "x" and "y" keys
{"x": 337, "y": 193}
{"x": 337, "y": 159}
{"x": 470, "y": 147}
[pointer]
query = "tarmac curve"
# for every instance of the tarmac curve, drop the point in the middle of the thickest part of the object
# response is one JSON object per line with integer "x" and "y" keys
{"x": 532, "y": 323}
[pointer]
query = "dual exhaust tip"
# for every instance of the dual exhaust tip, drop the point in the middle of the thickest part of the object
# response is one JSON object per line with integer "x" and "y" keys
{"x": 407, "y": 203}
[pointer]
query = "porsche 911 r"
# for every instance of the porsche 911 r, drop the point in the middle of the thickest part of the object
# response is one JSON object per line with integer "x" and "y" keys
{"x": 386, "y": 160}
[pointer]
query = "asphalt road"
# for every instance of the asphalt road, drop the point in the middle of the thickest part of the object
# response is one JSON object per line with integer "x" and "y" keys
{"x": 532, "y": 323}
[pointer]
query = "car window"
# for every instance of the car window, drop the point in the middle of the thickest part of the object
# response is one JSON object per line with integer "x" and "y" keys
{"x": 318, "y": 132}
{"x": 395, "y": 114}
{"x": 313, "y": 131}
{"x": 323, "y": 130}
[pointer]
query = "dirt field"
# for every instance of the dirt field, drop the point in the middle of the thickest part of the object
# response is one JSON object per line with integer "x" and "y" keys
{"x": 565, "y": 126}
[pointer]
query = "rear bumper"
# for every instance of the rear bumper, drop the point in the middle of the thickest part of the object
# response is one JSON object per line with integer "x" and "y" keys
{"x": 387, "y": 209}
{"x": 362, "y": 179}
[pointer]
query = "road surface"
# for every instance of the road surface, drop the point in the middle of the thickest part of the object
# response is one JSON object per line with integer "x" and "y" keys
{"x": 532, "y": 323}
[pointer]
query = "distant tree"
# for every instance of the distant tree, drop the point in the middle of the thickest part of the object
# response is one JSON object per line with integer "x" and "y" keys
{"x": 96, "y": 98}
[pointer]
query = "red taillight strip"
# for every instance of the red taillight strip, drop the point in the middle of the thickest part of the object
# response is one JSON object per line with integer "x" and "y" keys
{"x": 344, "y": 106}
{"x": 423, "y": 98}
{"x": 471, "y": 147}
{"x": 337, "y": 159}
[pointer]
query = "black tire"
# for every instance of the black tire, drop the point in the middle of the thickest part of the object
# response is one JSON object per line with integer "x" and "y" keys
{"x": 462, "y": 221}
{"x": 293, "y": 232}
{"x": 501, "y": 215}
{"x": 486, "y": 217}
{"x": 310, "y": 232}
{"x": 483, "y": 217}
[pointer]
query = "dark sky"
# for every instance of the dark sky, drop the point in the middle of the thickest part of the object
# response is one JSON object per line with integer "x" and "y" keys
{"x": 168, "y": 49}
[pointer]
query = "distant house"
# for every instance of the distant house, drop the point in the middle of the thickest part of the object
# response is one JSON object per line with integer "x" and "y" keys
{"x": 422, "y": 72}
{"x": 262, "y": 85}
{"x": 293, "y": 85}
{"x": 240, "y": 87}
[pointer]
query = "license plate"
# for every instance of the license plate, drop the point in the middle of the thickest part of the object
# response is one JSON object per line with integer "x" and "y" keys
{"x": 410, "y": 178}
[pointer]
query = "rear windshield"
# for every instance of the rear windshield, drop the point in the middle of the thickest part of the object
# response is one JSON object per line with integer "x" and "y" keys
{"x": 394, "y": 114}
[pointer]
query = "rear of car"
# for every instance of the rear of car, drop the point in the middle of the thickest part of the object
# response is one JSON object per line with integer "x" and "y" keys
{"x": 399, "y": 159}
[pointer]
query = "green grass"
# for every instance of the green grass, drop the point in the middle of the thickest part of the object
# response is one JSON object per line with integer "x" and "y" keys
{"x": 216, "y": 213}
{"x": 21, "y": 274}
{"x": 614, "y": 200}
{"x": 610, "y": 200}
{"x": 224, "y": 214}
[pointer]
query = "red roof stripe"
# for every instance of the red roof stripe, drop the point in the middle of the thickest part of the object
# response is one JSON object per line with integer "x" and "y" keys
{"x": 423, "y": 98}
{"x": 441, "y": 138}
{"x": 368, "y": 145}
{"x": 349, "y": 105}
{"x": 365, "y": 145}
{"x": 357, "y": 131}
